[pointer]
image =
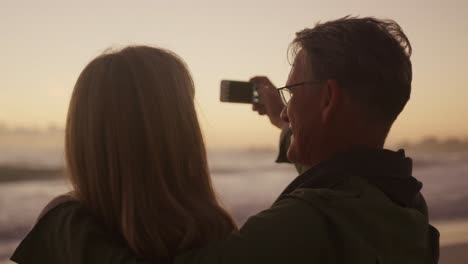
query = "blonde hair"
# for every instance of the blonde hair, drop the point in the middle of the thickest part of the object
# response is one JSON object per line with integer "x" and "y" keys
{"x": 136, "y": 156}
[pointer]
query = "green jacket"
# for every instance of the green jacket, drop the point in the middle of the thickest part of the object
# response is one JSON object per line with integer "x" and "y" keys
{"x": 363, "y": 206}
{"x": 353, "y": 222}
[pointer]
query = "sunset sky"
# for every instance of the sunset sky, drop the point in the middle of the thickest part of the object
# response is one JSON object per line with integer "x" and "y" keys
{"x": 45, "y": 45}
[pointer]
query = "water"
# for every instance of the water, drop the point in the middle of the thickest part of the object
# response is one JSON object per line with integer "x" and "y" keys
{"x": 248, "y": 182}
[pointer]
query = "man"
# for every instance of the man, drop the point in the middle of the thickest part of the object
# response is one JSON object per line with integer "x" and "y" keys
{"x": 354, "y": 202}
{"x": 358, "y": 203}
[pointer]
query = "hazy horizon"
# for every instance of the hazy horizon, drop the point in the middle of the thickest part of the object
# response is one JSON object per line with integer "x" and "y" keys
{"x": 53, "y": 136}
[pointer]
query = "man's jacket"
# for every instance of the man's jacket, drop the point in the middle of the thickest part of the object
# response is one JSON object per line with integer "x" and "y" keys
{"x": 359, "y": 207}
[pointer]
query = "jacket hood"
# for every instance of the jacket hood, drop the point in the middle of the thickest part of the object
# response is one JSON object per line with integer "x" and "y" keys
{"x": 389, "y": 171}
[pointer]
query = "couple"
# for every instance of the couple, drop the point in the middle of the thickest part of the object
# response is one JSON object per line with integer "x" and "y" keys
{"x": 141, "y": 186}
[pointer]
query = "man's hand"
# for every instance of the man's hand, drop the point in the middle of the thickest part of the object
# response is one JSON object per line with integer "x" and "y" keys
{"x": 270, "y": 102}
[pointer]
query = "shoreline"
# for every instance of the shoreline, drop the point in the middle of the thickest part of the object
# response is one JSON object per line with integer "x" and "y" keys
{"x": 12, "y": 173}
{"x": 452, "y": 231}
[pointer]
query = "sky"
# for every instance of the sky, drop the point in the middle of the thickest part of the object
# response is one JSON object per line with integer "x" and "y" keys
{"x": 45, "y": 44}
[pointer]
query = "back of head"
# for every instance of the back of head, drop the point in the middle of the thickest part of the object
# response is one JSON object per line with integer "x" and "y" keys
{"x": 368, "y": 57}
{"x": 136, "y": 155}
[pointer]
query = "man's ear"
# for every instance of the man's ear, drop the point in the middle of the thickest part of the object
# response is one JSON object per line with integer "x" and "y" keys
{"x": 331, "y": 97}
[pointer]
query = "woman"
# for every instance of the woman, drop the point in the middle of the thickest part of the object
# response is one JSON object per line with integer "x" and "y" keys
{"x": 136, "y": 159}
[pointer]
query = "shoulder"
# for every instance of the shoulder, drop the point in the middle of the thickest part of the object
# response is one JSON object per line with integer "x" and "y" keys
{"x": 287, "y": 210}
{"x": 284, "y": 233}
{"x": 65, "y": 219}
{"x": 309, "y": 206}
{"x": 69, "y": 233}
{"x": 39, "y": 242}
{"x": 290, "y": 226}
{"x": 59, "y": 200}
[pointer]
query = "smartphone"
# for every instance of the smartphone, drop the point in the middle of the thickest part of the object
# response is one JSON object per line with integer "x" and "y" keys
{"x": 238, "y": 92}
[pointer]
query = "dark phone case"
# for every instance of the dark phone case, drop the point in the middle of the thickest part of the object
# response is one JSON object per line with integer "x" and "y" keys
{"x": 237, "y": 92}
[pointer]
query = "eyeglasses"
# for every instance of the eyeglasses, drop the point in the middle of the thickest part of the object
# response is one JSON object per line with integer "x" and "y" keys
{"x": 286, "y": 93}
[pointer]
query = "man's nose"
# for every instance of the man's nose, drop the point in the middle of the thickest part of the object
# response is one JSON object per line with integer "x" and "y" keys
{"x": 284, "y": 114}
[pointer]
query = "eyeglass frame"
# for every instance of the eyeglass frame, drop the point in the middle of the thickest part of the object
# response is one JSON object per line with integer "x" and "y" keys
{"x": 286, "y": 88}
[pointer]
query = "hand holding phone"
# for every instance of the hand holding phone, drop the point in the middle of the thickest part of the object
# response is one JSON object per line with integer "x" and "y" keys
{"x": 259, "y": 92}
